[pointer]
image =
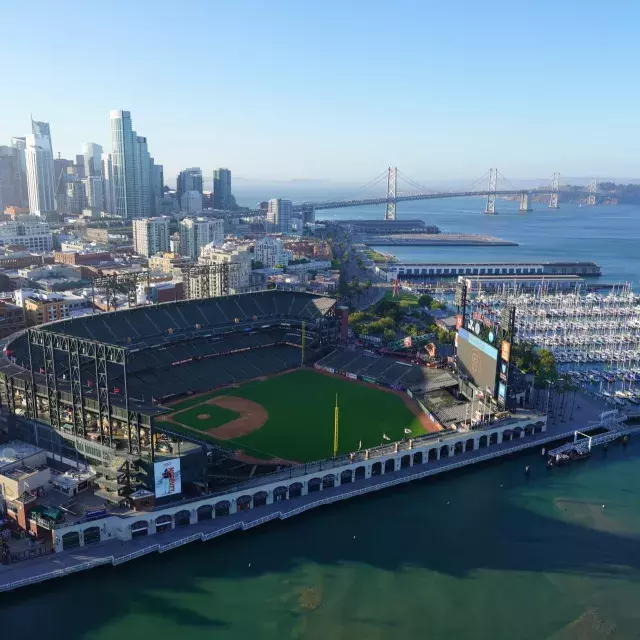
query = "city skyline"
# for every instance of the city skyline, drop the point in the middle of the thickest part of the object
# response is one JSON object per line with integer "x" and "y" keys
{"x": 413, "y": 87}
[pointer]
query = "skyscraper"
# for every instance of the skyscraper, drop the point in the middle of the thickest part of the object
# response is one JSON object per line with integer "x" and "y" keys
{"x": 279, "y": 214}
{"x": 41, "y": 129}
{"x": 189, "y": 180}
{"x": 222, "y": 198}
{"x": 20, "y": 145}
{"x": 92, "y": 154}
{"x": 10, "y": 178}
{"x": 40, "y": 175}
{"x": 122, "y": 159}
{"x": 107, "y": 184}
{"x": 143, "y": 176}
{"x": 131, "y": 167}
{"x": 157, "y": 187}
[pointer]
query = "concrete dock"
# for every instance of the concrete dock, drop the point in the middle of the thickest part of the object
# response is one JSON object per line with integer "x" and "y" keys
{"x": 435, "y": 240}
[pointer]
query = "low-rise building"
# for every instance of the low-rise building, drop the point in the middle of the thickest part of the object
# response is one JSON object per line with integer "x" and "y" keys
{"x": 10, "y": 259}
{"x": 12, "y": 318}
{"x": 84, "y": 257}
{"x": 168, "y": 262}
{"x": 42, "y": 307}
{"x": 30, "y": 232}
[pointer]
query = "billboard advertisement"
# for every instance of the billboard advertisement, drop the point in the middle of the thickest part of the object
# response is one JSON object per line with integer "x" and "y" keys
{"x": 506, "y": 351}
{"x": 477, "y": 359}
{"x": 168, "y": 479}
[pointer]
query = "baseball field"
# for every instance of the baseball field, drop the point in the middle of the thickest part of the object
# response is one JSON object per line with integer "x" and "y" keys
{"x": 290, "y": 417}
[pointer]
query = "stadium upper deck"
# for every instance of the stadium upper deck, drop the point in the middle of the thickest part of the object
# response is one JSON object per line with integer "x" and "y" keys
{"x": 188, "y": 333}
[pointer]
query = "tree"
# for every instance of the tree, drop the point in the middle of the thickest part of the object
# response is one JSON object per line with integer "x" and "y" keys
{"x": 425, "y": 300}
{"x": 343, "y": 286}
{"x": 545, "y": 368}
{"x": 389, "y": 335}
{"x": 388, "y": 308}
{"x": 435, "y": 305}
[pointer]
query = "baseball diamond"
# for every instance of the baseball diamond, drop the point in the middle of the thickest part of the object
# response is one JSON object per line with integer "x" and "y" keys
{"x": 298, "y": 416}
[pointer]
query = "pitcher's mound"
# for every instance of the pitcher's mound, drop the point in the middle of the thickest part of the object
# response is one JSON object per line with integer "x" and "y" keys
{"x": 203, "y": 416}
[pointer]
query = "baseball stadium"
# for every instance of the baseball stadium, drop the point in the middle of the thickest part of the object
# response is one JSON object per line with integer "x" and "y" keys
{"x": 233, "y": 387}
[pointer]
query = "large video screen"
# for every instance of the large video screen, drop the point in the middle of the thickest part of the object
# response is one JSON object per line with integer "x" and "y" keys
{"x": 167, "y": 477}
{"x": 478, "y": 360}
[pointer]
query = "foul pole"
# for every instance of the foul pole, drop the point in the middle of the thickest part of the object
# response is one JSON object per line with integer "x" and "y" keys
{"x": 335, "y": 428}
{"x": 302, "y": 344}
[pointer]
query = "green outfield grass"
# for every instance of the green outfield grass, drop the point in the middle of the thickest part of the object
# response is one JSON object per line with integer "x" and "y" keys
{"x": 217, "y": 416}
{"x": 301, "y": 416}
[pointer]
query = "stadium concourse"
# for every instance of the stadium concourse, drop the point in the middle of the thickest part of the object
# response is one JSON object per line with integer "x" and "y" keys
{"x": 91, "y": 388}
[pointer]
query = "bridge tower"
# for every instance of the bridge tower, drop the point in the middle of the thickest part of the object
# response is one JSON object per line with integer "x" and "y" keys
{"x": 555, "y": 187}
{"x": 525, "y": 201}
{"x": 592, "y": 189}
{"x": 392, "y": 180}
{"x": 491, "y": 195}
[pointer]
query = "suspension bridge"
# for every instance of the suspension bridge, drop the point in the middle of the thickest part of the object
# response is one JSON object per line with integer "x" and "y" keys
{"x": 496, "y": 186}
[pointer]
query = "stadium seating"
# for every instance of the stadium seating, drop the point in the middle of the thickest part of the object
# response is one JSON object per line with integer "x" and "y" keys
{"x": 224, "y": 340}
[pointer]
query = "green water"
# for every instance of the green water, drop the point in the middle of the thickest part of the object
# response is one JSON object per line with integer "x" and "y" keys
{"x": 480, "y": 553}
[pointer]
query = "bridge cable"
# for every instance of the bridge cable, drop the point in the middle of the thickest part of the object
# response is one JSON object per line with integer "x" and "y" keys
{"x": 481, "y": 181}
{"x": 369, "y": 184}
{"x": 509, "y": 183}
{"x": 412, "y": 182}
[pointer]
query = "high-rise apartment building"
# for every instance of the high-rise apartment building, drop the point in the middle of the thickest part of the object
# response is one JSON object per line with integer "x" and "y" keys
{"x": 196, "y": 233}
{"x": 151, "y": 236}
{"x": 279, "y": 214}
{"x": 222, "y": 198}
{"x": 40, "y": 175}
{"x": 237, "y": 256}
{"x": 132, "y": 169}
{"x": 271, "y": 252}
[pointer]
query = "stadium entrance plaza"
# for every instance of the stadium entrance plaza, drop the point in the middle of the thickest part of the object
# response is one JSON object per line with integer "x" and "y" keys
{"x": 123, "y": 539}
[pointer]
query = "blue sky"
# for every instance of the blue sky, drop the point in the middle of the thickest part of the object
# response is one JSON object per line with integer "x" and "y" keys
{"x": 336, "y": 90}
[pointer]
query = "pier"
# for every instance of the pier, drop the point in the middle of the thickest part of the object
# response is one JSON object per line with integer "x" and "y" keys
{"x": 615, "y": 427}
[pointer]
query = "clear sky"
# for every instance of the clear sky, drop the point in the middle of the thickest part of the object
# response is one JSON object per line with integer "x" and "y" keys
{"x": 334, "y": 89}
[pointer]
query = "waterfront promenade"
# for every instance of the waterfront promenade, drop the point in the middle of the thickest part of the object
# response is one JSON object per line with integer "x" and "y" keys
{"x": 114, "y": 552}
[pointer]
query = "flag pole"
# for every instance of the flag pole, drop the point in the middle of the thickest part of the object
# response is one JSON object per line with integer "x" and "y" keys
{"x": 335, "y": 428}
